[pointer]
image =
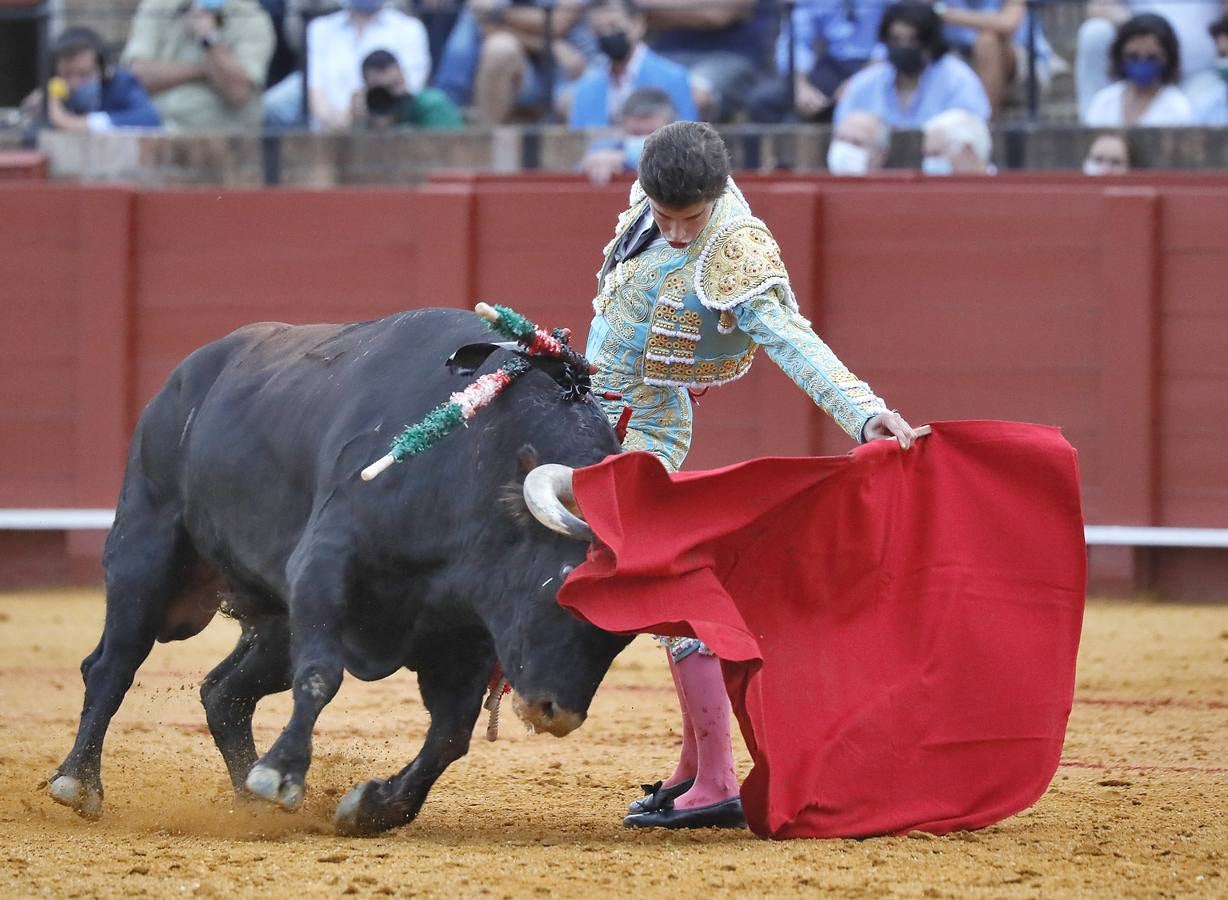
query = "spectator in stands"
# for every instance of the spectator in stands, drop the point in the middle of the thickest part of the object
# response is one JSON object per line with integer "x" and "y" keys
{"x": 627, "y": 64}
{"x": 338, "y": 43}
{"x": 496, "y": 58}
{"x": 1145, "y": 63}
{"x": 387, "y": 102}
{"x": 284, "y": 102}
{"x": 920, "y": 78}
{"x": 644, "y": 111}
{"x": 1109, "y": 154}
{"x": 992, "y": 35}
{"x": 957, "y": 142}
{"x": 203, "y": 61}
{"x": 832, "y": 41}
{"x": 724, "y": 44}
{"x": 1210, "y": 101}
{"x": 87, "y": 93}
{"x": 1189, "y": 20}
{"x": 860, "y": 145}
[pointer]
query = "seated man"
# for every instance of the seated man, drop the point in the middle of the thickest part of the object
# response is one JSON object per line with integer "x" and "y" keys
{"x": 920, "y": 78}
{"x": 629, "y": 65}
{"x": 724, "y": 45}
{"x": 646, "y": 110}
{"x": 1190, "y": 20}
{"x": 284, "y": 104}
{"x": 1210, "y": 95}
{"x": 957, "y": 143}
{"x": 496, "y": 59}
{"x": 832, "y": 41}
{"x": 859, "y": 145}
{"x": 91, "y": 95}
{"x": 992, "y": 36}
{"x": 1109, "y": 154}
{"x": 204, "y": 62}
{"x": 338, "y": 43}
{"x": 387, "y": 102}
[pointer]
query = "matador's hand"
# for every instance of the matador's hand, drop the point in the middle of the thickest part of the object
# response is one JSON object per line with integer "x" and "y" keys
{"x": 888, "y": 425}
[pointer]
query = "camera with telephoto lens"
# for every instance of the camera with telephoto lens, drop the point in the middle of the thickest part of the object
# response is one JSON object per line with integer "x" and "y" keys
{"x": 381, "y": 101}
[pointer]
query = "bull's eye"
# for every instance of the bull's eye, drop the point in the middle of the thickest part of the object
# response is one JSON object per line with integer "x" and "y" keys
{"x": 565, "y": 571}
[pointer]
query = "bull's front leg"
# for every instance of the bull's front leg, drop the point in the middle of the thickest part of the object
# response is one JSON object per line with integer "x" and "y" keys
{"x": 452, "y": 680}
{"x": 318, "y": 590}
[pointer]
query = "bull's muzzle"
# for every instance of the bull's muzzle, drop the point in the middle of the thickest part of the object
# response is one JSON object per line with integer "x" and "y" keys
{"x": 551, "y": 500}
{"x": 546, "y": 715}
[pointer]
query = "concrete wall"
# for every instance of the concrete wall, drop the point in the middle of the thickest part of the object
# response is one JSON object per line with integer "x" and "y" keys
{"x": 1094, "y": 305}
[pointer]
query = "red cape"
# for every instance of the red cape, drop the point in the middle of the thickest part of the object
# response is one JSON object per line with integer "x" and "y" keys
{"x": 897, "y": 630}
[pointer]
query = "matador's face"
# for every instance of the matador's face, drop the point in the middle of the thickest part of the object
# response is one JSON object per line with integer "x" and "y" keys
{"x": 681, "y": 224}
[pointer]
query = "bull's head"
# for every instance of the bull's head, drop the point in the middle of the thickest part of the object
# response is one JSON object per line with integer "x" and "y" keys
{"x": 542, "y": 700}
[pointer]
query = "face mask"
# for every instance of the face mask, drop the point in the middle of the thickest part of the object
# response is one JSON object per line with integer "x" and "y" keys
{"x": 616, "y": 46}
{"x": 844, "y": 158}
{"x": 86, "y": 98}
{"x": 907, "y": 60}
{"x": 1143, "y": 72}
{"x": 1221, "y": 66}
{"x": 211, "y": 5}
{"x": 633, "y": 149}
{"x": 363, "y": 6}
{"x": 936, "y": 165}
{"x": 1091, "y": 167}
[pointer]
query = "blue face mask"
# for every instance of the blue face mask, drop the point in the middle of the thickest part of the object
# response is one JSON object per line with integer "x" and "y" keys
{"x": 363, "y": 6}
{"x": 633, "y": 149}
{"x": 1143, "y": 72}
{"x": 85, "y": 99}
{"x": 211, "y": 5}
{"x": 936, "y": 165}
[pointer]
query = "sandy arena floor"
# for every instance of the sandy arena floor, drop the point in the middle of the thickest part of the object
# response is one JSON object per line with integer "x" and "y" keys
{"x": 1139, "y": 807}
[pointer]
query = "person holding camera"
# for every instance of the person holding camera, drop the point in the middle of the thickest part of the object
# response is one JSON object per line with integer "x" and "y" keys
{"x": 86, "y": 93}
{"x": 386, "y": 102}
{"x": 203, "y": 61}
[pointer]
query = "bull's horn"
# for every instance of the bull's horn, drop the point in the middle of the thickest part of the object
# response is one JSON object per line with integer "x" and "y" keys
{"x": 546, "y": 489}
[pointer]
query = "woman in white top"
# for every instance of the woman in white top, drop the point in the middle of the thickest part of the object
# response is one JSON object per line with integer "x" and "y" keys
{"x": 1145, "y": 63}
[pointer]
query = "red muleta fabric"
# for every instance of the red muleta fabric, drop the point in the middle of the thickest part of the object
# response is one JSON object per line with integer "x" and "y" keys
{"x": 897, "y": 630}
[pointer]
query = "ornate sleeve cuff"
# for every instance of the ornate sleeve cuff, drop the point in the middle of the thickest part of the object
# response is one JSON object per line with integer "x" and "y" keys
{"x": 801, "y": 354}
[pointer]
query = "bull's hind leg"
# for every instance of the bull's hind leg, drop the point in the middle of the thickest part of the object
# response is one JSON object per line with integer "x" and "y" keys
{"x": 258, "y": 666}
{"x": 144, "y": 553}
{"x": 452, "y": 681}
{"x": 318, "y": 573}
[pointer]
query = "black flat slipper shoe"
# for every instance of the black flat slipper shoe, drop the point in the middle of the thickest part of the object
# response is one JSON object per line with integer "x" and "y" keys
{"x": 726, "y": 814}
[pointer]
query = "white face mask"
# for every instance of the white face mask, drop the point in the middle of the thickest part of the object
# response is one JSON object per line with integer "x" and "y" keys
{"x": 1091, "y": 167}
{"x": 844, "y": 158}
{"x": 936, "y": 165}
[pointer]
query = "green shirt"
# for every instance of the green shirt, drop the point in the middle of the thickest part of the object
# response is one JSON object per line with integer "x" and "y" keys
{"x": 429, "y": 108}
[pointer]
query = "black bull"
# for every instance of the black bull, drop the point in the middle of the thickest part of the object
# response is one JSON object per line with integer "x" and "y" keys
{"x": 243, "y": 477}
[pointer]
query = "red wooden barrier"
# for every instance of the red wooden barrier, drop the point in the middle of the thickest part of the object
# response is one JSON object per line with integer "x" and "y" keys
{"x": 1094, "y": 305}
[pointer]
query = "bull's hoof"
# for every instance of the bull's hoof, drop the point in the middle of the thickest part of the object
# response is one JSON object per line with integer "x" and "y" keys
{"x": 362, "y": 812}
{"x": 348, "y": 819}
{"x": 271, "y": 785}
{"x": 85, "y": 799}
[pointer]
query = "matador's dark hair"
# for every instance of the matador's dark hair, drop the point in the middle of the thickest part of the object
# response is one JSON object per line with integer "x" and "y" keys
{"x": 684, "y": 163}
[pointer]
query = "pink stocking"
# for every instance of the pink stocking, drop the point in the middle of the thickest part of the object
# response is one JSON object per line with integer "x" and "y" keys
{"x": 707, "y": 706}
{"x": 686, "y": 762}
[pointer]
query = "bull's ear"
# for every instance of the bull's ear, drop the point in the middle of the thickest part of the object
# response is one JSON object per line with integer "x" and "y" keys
{"x": 527, "y": 457}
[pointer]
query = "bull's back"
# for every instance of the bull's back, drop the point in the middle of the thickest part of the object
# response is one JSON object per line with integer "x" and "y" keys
{"x": 259, "y": 427}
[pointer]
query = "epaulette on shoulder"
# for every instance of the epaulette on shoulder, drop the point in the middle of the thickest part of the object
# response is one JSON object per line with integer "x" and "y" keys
{"x": 740, "y": 261}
